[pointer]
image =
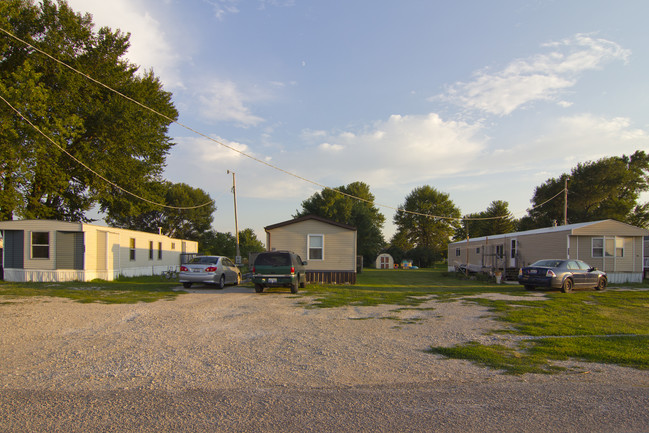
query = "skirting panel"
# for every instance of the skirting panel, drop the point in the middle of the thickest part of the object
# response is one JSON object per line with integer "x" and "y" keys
{"x": 331, "y": 277}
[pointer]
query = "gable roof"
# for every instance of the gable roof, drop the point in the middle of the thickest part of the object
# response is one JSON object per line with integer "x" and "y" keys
{"x": 307, "y": 218}
{"x": 585, "y": 228}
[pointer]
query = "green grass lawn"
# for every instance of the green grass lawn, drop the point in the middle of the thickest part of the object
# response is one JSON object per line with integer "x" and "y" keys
{"x": 400, "y": 287}
{"x": 120, "y": 291}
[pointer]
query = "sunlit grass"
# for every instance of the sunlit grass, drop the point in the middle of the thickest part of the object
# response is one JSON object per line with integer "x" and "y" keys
{"x": 605, "y": 327}
{"x": 402, "y": 287}
{"x": 120, "y": 291}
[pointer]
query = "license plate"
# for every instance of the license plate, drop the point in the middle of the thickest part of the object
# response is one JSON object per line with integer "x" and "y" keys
{"x": 532, "y": 271}
{"x": 272, "y": 280}
{"x": 197, "y": 270}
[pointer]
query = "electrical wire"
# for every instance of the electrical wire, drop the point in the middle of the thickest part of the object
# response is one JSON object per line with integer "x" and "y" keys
{"x": 171, "y": 120}
{"x": 93, "y": 171}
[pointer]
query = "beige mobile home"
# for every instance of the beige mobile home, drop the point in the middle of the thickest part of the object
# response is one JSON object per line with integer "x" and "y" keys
{"x": 609, "y": 245}
{"x": 47, "y": 250}
{"x": 328, "y": 247}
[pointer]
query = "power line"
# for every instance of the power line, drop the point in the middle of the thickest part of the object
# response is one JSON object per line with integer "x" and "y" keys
{"x": 93, "y": 171}
{"x": 324, "y": 187}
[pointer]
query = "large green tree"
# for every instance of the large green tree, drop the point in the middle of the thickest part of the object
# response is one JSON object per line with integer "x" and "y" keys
{"x": 496, "y": 219}
{"x": 121, "y": 141}
{"x": 606, "y": 188}
{"x": 428, "y": 219}
{"x": 225, "y": 244}
{"x": 187, "y": 215}
{"x": 346, "y": 209}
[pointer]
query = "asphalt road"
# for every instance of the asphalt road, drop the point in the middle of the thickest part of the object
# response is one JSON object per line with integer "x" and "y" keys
{"x": 515, "y": 406}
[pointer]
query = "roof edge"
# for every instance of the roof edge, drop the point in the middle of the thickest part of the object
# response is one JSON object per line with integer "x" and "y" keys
{"x": 309, "y": 217}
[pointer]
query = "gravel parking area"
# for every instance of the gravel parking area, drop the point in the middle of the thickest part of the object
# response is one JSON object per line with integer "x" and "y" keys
{"x": 234, "y": 360}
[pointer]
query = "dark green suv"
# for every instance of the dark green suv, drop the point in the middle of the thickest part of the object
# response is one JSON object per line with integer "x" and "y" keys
{"x": 278, "y": 269}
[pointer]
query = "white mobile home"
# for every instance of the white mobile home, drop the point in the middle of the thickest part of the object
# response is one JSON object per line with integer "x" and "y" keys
{"x": 609, "y": 245}
{"x": 47, "y": 250}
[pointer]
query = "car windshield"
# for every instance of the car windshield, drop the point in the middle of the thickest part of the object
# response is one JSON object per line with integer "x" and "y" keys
{"x": 273, "y": 260}
{"x": 204, "y": 260}
{"x": 547, "y": 263}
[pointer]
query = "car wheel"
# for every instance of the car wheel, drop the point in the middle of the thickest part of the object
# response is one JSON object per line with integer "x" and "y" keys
{"x": 567, "y": 286}
{"x": 601, "y": 283}
{"x": 222, "y": 282}
{"x": 528, "y": 287}
{"x": 259, "y": 288}
{"x": 187, "y": 285}
{"x": 294, "y": 287}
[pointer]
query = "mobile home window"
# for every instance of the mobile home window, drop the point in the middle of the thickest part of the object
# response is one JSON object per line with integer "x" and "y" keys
{"x": 477, "y": 250}
{"x": 150, "y": 250}
{"x": 500, "y": 251}
{"x": 40, "y": 245}
{"x": 613, "y": 247}
{"x": 457, "y": 252}
{"x": 513, "y": 249}
{"x": 159, "y": 250}
{"x": 132, "y": 249}
{"x": 316, "y": 247}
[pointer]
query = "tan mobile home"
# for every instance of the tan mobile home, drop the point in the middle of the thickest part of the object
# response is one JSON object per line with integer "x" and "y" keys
{"x": 47, "y": 250}
{"x": 328, "y": 247}
{"x": 609, "y": 245}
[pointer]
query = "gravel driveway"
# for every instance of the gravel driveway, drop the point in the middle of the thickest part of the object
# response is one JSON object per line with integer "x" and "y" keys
{"x": 235, "y": 360}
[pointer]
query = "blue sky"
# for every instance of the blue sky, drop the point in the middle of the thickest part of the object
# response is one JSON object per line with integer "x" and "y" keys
{"x": 481, "y": 100}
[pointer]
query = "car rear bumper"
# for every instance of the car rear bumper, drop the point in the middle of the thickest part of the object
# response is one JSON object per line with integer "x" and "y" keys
{"x": 188, "y": 277}
{"x": 273, "y": 280}
{"x": 535, "y": 281}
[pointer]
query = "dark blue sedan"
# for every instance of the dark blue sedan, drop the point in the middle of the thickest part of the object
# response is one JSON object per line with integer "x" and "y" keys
{"x": 561, "y": 274}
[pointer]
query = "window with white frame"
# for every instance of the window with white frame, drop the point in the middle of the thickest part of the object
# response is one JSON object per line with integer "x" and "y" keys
{"x": 500, "y": 251}
{"x": 40, "y": 245}
{"x": 132, "y": 248}
{"x": 457, "y": 252}
{"x": 316, "y": 247}
{"x": 608, "y": 247}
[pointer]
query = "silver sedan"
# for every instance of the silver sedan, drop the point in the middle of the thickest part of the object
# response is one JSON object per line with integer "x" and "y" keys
{"x": 217, "y": 270}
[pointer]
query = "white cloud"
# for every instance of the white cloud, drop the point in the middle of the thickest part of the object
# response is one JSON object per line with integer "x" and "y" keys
{"x": 223, "y": 7}
{"x": 150, "y": 47}
{"x": 401, "y": 149}
{"x": 327, "y": 147}
{"x": 590, "y": 137}
{"x": 539, "y": 77}
{"x": 223, "y": 101}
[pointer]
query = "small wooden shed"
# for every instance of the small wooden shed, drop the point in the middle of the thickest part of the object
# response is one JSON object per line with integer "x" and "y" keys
{"x": 384, "y": 261}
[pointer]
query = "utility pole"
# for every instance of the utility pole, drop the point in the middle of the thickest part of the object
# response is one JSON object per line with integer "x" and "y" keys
{"x": 466, "y": 270}
{"x": 565, "y": 202}
{"x": 237, "y": 259}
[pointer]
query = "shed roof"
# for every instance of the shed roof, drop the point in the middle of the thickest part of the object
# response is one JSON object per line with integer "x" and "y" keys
{"x": 585, "y": 228}
{"x": 307, "y": 218}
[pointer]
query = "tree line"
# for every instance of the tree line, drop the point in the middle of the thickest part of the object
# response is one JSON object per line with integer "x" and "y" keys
{"x": 428, "y": 219}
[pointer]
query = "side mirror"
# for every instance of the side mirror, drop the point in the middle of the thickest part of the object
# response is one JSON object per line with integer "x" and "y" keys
{"x": 591, "y": 269}
{"x": 304, "y": 263}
